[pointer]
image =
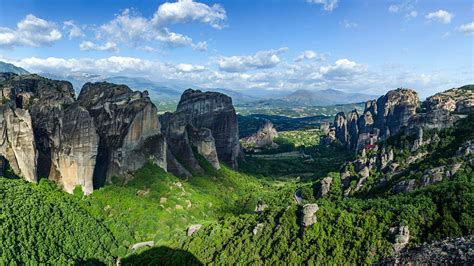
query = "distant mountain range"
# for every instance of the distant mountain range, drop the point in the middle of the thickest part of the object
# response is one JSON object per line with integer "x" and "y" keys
{"x": 6, "y": 67}
{"x": 301, "y": 98}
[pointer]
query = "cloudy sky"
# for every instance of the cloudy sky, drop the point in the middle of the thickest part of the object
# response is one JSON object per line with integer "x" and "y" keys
{"x": 352, "y": 45}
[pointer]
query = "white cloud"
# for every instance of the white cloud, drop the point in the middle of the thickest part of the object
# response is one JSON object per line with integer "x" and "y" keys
{"x": 441, "y": 16}
{"x": 343, "y": 74}
{"x": 190, "y": 68}
{"x": 187, "y": 10}
{"x": 342, "y": 69}
{"x": 74, "y": 30}
{"x": 466, "y": 28}
{"x": 90, "y": 46}
{"x": 412, "y": 14}
{"x": 306, "y": 55}
{"x": 393, "y": 9}
{"x": 137, "y": 31}
{"x": 200, "y": 46}
{"x": 328, "y": 5}
{"x": 261, "y": 60}
{"x": 348, "y": 24}
{"x": 31, "y": 31}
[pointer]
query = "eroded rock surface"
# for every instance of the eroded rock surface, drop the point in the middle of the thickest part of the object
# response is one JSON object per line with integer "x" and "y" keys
{"x": 308, "y": 218}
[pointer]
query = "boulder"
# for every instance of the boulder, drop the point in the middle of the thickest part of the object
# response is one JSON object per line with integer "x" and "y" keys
{"x": 401, "y": 237}
{"x": 325, "y": 187}
{"x": 193, "y": 229}
{"x": 308, "y": 218}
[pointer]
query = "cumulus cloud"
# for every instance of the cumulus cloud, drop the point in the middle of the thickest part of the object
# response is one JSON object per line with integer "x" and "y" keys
{"x": 134, "y": 30}
{"x": 187, "y": 10}
{"x": 261, "y": 60}
{"x": 90, "y": 46}
{"x": 328, "y": 5}
{"x": 190, "y": 68}
{"x": 73, "y": 30}
{"x": 466, "y": 28}
{"x": 342, "y": 69}
{"x": 441, "y": 16}
{"x": 31, "y": 31}
{"x": 342, "y": 74}
{"x": 307, "y": 55}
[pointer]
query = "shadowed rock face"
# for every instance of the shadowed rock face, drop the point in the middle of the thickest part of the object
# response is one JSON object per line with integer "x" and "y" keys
{"x": 214, "y": 111}
{"x": 124, "y": 121}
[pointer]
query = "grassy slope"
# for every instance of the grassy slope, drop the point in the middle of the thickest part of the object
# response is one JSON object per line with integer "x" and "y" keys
{"x": 134, "y": 218}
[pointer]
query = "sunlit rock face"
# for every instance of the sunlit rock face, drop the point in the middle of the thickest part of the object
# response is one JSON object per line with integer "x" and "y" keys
{"x": 126, "y": 123}
{"x": 17, "y": 145}
{"x": 110, "y": 130}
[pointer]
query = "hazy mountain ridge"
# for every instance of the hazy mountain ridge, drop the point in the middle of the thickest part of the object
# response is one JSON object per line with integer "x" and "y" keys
{"x": 7, "y": 67}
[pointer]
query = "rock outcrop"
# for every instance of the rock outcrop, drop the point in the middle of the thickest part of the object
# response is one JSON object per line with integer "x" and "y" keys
{"x": 214, "y": 111}
{"x": 128, "y": 129}
{"x": 396, "y": 111}
{"x": 450, "y": 251}
{"x": 453, "y": 100}
{"x": 193, "y": 229}
{"x": 263, "y": 137}
{"x": 109, "y": 130}
{"x": 307, "y": 217}
{"x": 206, "y": 121}
{"x": 17, "y": 145}
{"x": 325, "y": 187}
{"x": 381, "y": 119}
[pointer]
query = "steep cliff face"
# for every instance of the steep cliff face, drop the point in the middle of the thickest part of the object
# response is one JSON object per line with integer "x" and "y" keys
{"x": 110, "y": 130}
{"x": 17, "y": 143}
{"x": 125, "y": 121}
{"x": 381, "y": 118}
{"x": 394, "y": 110}
{"x": 214, "y": 111}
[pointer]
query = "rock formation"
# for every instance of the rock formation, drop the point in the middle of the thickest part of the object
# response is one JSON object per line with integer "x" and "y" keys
{"x": 109, "y": 130}
{"x": 214, "y": 111}
{"x": 262, "y": 138}
{"x": 453, "y": 100}
{"x": 450, "y": 251}
{"x": 206, "y": 121}
{"x": 17, "y": 145}
{"x": 308, "y": 212}
{"x": 193, "y": 229}
{"x": 395, "y": 112}
{"x": 128, "y": 129}
{"x": 324, "y": 187}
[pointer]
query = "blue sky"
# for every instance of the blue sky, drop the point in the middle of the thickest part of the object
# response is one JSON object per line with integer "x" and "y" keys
{"x": 361, "y": 46}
